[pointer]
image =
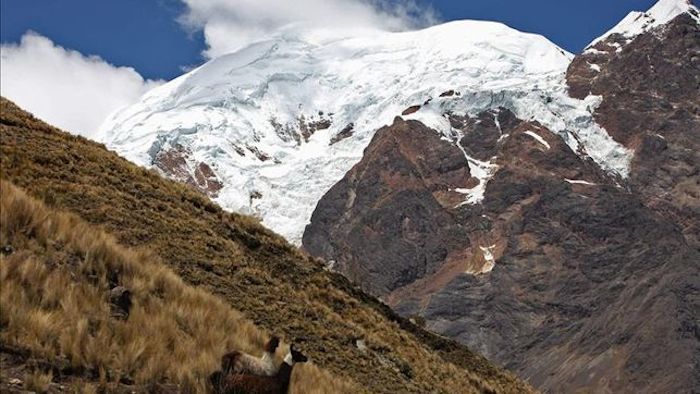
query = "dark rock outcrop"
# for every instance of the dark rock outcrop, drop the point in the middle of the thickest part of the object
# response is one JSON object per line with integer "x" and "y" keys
{"x": 120, "y": 301}
{"x": 411, "y": 110}
{"x": 392, "y": 209}
{"x": 651, "y": 103}
{"x": 576, "y": 280}
{"x": 346, "y": 132}
{"x": 560, "y": 274}
{"x": 173, "y": 163}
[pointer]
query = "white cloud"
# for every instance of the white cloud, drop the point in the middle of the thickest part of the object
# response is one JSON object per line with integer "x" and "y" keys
{"x": 77, "y": 92}
{"x": 64, "y": 87}
{"x": 231, "y": 24}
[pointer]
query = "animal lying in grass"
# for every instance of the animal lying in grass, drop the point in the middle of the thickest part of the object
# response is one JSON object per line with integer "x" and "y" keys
{"x": 236, "y": 362}
{"x": 255, "y": 384}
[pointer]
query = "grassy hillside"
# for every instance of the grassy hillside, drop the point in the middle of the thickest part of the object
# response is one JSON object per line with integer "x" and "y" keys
{"x": 54, "y": 300}
{"x": 249, "y": 268}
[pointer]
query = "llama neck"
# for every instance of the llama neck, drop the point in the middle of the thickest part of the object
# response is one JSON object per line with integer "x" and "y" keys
{"x": 284, "y": 374}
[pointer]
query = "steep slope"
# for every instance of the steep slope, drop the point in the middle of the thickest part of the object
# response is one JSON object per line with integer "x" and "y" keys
{"x": 649, "y": 81}
{"x": 61, "y": 330}
{"x": 394, "y": 225}
{"x": 345, "y": 331}
{"x": 267, "y": 130}
{"x": 573, "y": 277}
{"x": 560, "y": 274}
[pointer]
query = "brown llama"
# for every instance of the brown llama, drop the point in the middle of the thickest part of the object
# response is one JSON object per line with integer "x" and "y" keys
{"x": 254, "y": 384}
{"x": 236, "y": 362}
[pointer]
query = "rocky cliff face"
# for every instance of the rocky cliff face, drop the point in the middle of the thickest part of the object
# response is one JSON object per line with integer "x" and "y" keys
{"x": 574, "y": 277}
{"x": 651, "y": 103}
{"x": 395, "y": 210}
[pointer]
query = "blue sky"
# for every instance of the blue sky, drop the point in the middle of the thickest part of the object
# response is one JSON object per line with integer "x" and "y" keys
{"x": 74, "y": 62}
{"x": 143, "y": 34}
{"x": 146, "y": 35}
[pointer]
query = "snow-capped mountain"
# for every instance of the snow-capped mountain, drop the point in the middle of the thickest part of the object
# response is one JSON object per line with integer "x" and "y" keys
{"x": 540, "y": 207}
{"x": 576, "y": 280}
{"x": 269, "y": 129}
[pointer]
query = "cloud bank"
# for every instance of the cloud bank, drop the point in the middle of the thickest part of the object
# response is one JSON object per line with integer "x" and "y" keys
{"x": 64, "y": 87}
{"x": 77, "y": 92}
{"x": 229, "y": 25}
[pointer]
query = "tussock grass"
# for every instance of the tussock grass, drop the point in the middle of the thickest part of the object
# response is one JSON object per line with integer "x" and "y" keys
{"x": 37, "y": 381}
{"x": 54, "y": 302}
{"x": 248, "y": 267}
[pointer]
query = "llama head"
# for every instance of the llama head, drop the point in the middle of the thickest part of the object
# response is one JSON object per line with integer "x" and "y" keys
{"x": 272, "y": 344}
{"x": 295, "y": 356}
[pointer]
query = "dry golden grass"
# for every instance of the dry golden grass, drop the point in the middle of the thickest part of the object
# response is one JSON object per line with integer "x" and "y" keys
{"x": 54, "y": 302}
{"x": 38, "y": 381}
{"x": 248, "y": 267}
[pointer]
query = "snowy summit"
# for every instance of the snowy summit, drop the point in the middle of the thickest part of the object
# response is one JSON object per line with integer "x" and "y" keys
{"x": 280, "y": 121}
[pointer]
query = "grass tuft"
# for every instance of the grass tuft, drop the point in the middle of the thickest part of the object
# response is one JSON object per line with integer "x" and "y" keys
{"x": 38, "y": 382}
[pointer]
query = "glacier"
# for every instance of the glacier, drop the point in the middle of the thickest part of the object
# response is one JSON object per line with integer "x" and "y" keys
{"x": 282, "y": 120}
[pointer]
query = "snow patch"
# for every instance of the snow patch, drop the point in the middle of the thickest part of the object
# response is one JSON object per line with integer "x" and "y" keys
{"x": 481, "y": 170}
{"x": 498, "y": 123}
{"x": 538, "y": 138}
{"x": 580, "y": 182}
